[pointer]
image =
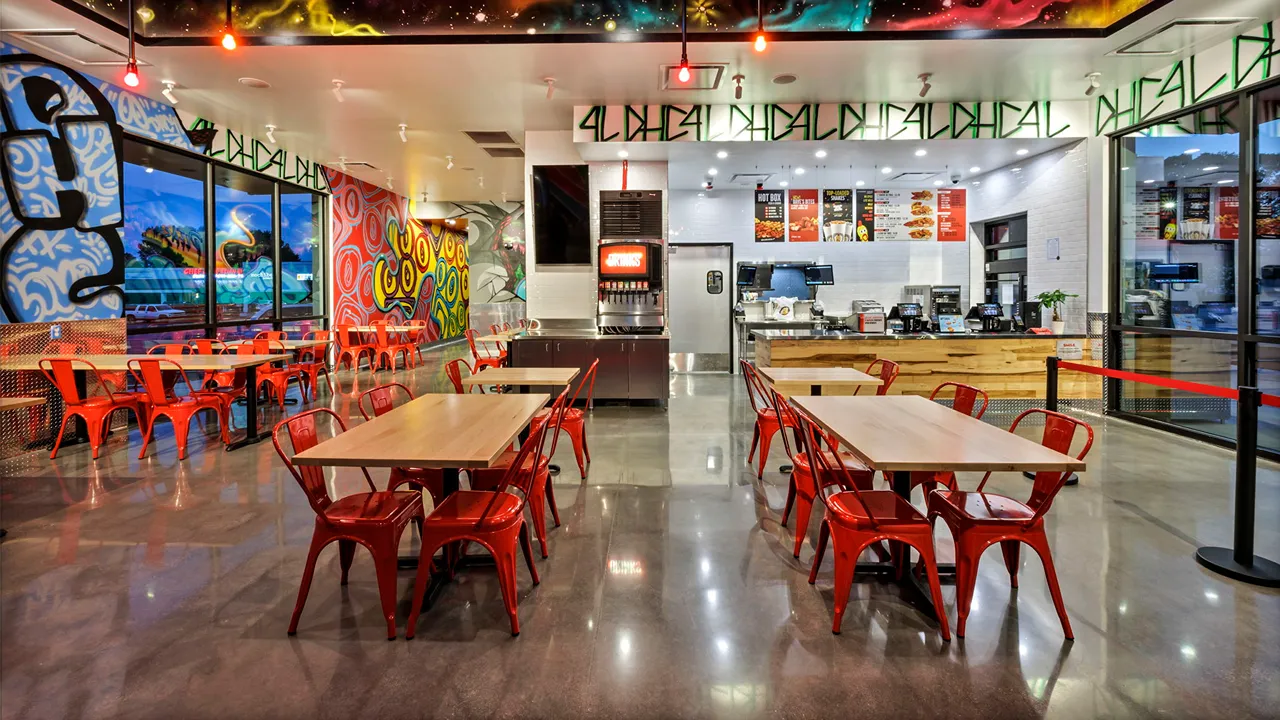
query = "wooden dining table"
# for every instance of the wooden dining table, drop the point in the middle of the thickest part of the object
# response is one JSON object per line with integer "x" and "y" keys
{"x": 17, "y": 403}
{"x": 223, "y": 362}
{"x": 523, "y": 377}
{"x": 908, "y": 435}
{"x": 818, "y": 381}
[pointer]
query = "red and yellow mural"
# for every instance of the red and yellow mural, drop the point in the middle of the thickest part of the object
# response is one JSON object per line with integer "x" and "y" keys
{"x": 388, "y": 266}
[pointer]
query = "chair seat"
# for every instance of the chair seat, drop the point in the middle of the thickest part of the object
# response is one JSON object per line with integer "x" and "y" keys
{"x": 848, "y": 460}
{"x": 488, "y": 478}
{"x": 980, "y": 506}
{"x": 886, "y": 506}
{"x": 102, "y": 401}
{"x": 372, "y": 507}
{"x": 467, "y": 508}
{"x": 571, "y": 415}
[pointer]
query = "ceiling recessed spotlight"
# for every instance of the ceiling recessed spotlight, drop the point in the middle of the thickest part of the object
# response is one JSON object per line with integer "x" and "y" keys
{"x": 623, "y": 154}
{"x": 977, "y": 182}
{"x": 1148, "y": 182}
{"x": 921, "y": 152}
{"x": 820, "y": 154}
{"x": 532, "y": 31}
{"x": 1126, "y": 167}
{"x": 1017, "y": 169}
{"x": 722, "y": 154}
{"x": 784, "y": 79}
{"x": 1192, "y": 151}
{"x": 1211, "y": 168}
{"x": 784, "y": 183}
{"x": 610, "y": 25}
{"x": 712, "y": 172}
{"x": 860, "y": 183}
{"x": 799, "y": 171}
{"x": 937, "y": 183}
{"x": 886, "y": 170}
{"x": 975, "y": 169}
{"x": 254, "y": 83}
{"x": 1224, "y": 182}
{"x": 1022, "y": 151}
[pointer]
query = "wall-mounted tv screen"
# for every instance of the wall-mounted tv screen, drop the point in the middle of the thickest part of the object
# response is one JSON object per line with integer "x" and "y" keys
{"x": 818, "y": 275}
{"x": 746, "y": 274}
{"x": 1175, "y": 272}
{"x": 561, "y": 215}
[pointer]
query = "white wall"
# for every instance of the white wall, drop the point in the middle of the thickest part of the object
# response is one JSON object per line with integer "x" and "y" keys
{"x": 553, "y": 292}
{"x": 1053, "y": 190}
{"x": 863, "y": 271}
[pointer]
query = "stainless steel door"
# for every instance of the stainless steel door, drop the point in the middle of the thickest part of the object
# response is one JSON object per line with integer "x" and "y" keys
{"x": 700, "y": 294}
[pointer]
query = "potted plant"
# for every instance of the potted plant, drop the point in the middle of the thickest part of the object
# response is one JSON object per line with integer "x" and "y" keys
{"x": 1054, "y": 300}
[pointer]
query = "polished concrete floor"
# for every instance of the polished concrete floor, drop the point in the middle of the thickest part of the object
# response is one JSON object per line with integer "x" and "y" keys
{"x": 159, "y": 589}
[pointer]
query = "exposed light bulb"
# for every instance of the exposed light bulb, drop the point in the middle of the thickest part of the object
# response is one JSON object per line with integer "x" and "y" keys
{"x": 131, "y": 74}
{"x": 228, "y": 40}
{"x": 761, "y": 42}
{"x": 683, "y": 75}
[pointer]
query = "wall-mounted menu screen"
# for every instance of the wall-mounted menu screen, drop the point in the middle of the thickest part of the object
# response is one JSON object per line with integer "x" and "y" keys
{"x": 819, "y": 275}
{"x": 561, "y": 215}
{"x": 747, "y": 275}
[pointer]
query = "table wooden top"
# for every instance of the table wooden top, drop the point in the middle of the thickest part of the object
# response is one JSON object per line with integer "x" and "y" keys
{"x": 115, "y": 363}
{"x": 433, "y": 431}
{"x": 909, "y": 433}
{"x": 300, "y": 344}
{"x": 17, "y": 403}
{"x": 494, "y": 338}
{"x": 819, "y": 376}
{"x": 522, "y": 376}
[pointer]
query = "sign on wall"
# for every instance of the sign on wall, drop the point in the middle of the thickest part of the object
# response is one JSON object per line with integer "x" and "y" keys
{"x": 837, "y": 215}
{"x": 919, "y": 215}
{"x": 830, "y": 121}
{"x": 802, "y": 219}
{"x": 770, "y": 221}
{"x": 253, "y": 154}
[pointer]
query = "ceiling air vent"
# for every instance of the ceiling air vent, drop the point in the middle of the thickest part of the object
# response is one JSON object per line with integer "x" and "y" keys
{"x": 71, "y": 45}
{"x": 705, "y": 76}
{"x": 916, "y": 177}
{"x": 750, "y": 179}
{"x": 504, "y": 152}
{"x": 486, "y": 137}
{"x": 351, "y": 165}
{"x": 1175, "y": 36}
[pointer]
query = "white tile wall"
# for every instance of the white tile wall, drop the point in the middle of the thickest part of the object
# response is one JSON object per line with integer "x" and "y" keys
{"x": 1052, "y": 189}
{"x": 863, "y": 271}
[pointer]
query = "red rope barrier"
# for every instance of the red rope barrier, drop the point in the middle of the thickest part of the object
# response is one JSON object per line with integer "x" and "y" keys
{"x": 1195, "y": 387}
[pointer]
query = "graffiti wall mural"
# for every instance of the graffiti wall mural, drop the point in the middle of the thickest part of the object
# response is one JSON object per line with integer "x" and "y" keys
{"x": 495, "y": 246}
{"x": 389, "y": 266}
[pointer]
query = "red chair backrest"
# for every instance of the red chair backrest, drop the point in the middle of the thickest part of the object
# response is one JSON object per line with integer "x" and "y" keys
{"x": 886, "y": 370}
{"x": 827, "y": 469}
{"x": 150, "y": 374}
{"x": 382, "y": 399}
{"x": 272, "y": 335}
{"x": 170, "y": 349}
{"x": 61, "y": 372}
{"x": 384, "y": 338}
{"x": 453, "y": 371}
{"x": 267, "y": 346}
{"x": 787, "y": 417}
{"x": 494, "y": 329}
{"x": 208, "y": 347}
{"x": 757, "y": 391}
{"x": 346, "y": 336}
{"x": 317, "y": 335}
{"x": 303, "y": 435}
{"x": 588, "y": 381}
{"x": 1059, "y": 433}
{"x": 532, "y": 451}
{"x": 965, "y": 399}
{"x": 471, "y": 340}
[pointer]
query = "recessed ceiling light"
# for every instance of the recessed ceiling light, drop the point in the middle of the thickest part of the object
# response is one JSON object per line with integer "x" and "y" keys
{"x": 782, "y": 184}
{"x": 1022, "y": 151}
{"x": 1126, "y": 167}
{"x": 921, "y": 152}
{"x": 799, "y": 171}
{"x": 977, "y": 182}
{"x": 1211, "y": 168}
{"x": 722, "y": 154}
{"x": 820, "y": 154}
{"x": 1192, "y": 151}
{"x": 623, "y": 154}
{"x": 860, "y": 183}
{"x": 255, "y": 83}
{"x": 784, "y": 79}
{"x": 937, "y": 183}
{"x": 886, "y": 170}
{"x": 1224, "y": 182}
{"x": 1017, "y": 169}
{"x": 1148, "y": 182}
{"x": 712, "y": 171}
{"x": 974, "y": 169}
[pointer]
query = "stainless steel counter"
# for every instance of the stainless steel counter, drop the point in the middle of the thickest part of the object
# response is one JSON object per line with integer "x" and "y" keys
{"x": 572, "y": 334}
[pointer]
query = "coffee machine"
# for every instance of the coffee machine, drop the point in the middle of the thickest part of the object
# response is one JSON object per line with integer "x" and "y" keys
{"x": 946, "y": 300}
{"x": 912, "y": 317}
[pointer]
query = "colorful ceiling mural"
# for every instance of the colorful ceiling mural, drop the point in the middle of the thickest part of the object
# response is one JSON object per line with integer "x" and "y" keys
{"x": 522, "y": 18}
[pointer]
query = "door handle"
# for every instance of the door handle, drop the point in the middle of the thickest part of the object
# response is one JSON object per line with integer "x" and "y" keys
{"x": 557, "y": 347}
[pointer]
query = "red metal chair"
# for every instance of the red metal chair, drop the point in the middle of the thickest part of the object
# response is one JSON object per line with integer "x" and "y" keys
{"x": 311, "y": 366}
{"x": 388, "y": 348}
{"x": 374, "y": 519}
{"x": 803, "y": 488}
{"x": 150, "y": 374}
{"x": 382, "y": 400}
{"x": 172, "y": 349}
{"x": 492, "y": 477}
{"x": 856, "y": 519}
{"x": 351, "y": 348}
{"x": 277, "y": 376}
{"x": 486, "y": 360}
{"x": 495, "y": 329}
{"x": 964, "y": 400}
{"x": 271, "y": 335}
{"x": 492, "y": 518}
{"x": 888, "y": 372}
{"x": 417, "y": 336}
{"x": 575, "y": 423}
{"x": 979, "y": 519}
{"x": 453, "y": 371}
{"x": 94, "y": 410}
{"x": 767, "y": 424}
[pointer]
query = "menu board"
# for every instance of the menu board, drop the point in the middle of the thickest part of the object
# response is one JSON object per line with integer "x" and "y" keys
{"x": 1168, "y": 213}
{"x": 1146, "y": 218}
{"x": 802, "y": 216}
{"x": 837, "y": 215}
{"x": 769, "y": 216}
{"x": 1196, "y": 214}
{"x": 1227, "y": 217}
{"x": 866, "y": 209}
{"x": 920, "y": 215}
{"x": 1267, "y": 212}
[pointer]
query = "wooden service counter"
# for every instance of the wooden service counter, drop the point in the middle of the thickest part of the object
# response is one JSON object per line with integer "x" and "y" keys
{"x": 1004, "y": 365}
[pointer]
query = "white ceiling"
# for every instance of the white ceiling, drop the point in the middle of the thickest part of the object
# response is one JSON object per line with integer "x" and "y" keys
{"x": 441, "y": 90}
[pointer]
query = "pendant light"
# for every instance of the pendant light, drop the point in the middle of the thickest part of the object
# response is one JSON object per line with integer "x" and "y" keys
{"x": 131, "y": 68}
{"x": 761, "y": 41}
{"x": 683, "y": 74}
{"x": 228, "y": 37}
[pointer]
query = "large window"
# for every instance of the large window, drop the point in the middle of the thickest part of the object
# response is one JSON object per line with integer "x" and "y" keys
{"x": 244, "y": 246}
{"x": 301, "y": 254}
{"x": 164, "y": 238}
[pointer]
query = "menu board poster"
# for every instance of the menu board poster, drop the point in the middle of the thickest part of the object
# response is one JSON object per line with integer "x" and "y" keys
{"x": 1267, "y": 211}
{"x": 1147, "y": 215}
{"x": 952, "y": 217}
{"x": 1227, "y": 217}
{"x": 837, "y": 215}
{"x": 1169, "y": 213}
{"x": 1196, "y": 215}
{"x": 802, "y": 216}
{"x": 866, "y": 209}
{"x": 906, "y": 215}
{"x": 769, "y": 216}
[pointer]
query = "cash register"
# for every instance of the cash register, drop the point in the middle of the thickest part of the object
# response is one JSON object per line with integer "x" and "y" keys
{"x": 985, "y": 317}
{"x": 911, "y": 316}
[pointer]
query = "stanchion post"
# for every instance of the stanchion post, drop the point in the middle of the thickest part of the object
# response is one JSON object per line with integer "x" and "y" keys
{"x": 1051, "y": 383}
{"x": 1240, "y": 563}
